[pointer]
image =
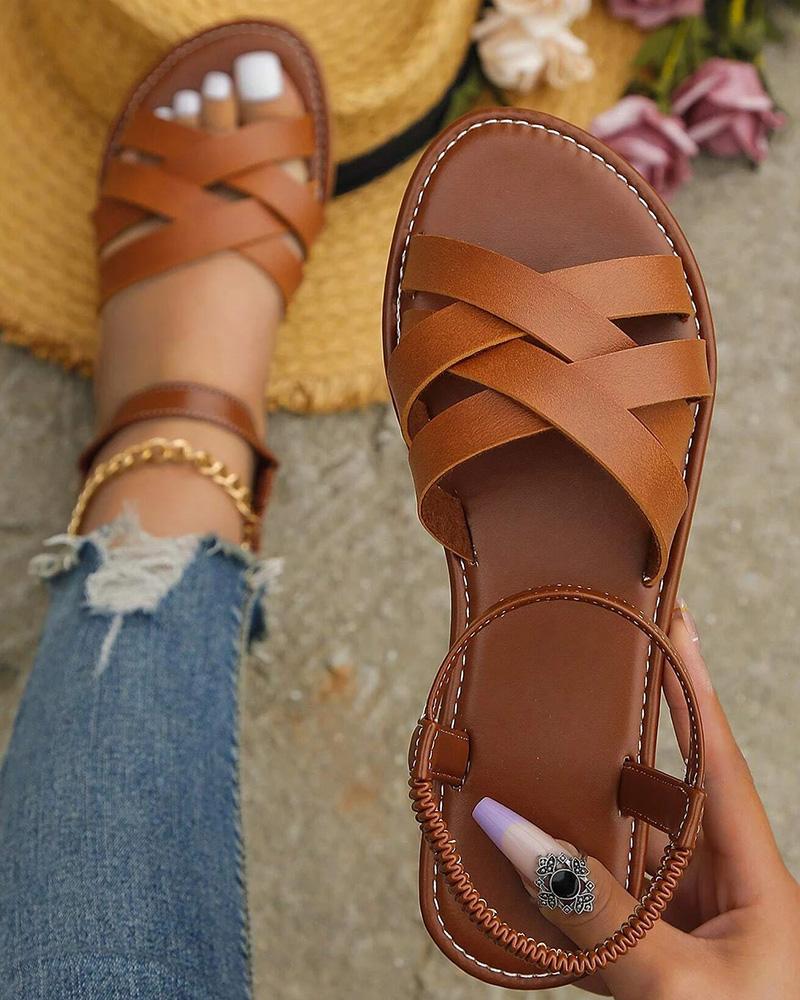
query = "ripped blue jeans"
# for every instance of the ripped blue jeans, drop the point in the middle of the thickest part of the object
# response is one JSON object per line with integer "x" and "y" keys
{"x": 120, "y": 848}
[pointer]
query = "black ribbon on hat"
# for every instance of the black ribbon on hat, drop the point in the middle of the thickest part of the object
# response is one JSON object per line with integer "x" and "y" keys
{"x": 351, "y": 174}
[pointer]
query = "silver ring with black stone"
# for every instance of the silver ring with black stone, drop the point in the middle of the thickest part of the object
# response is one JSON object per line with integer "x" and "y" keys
{"x": 564, "y": 883}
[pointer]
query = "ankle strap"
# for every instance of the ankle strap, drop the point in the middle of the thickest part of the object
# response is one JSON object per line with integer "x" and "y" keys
{"x": 665, "y": 802}
{"x": 192, "y": 401}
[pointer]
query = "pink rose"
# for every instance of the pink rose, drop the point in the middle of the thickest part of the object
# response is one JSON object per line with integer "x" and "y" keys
{"x": 726, "y": 109}
{"x": 657, "y": 145}
{"x": 649, "y": 14}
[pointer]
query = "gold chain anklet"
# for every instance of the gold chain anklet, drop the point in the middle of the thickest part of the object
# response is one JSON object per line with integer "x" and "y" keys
{"x": 178, "y": 452}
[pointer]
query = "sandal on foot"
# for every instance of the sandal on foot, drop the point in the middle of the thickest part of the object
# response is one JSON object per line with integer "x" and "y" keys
{"x": 212, "y": 192}
{"x": 195, "y": 171}
{"x": 551, "y": 358}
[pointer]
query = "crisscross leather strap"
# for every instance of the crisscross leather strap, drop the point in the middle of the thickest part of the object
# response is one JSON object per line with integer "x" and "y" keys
{"x": 440, "y": 755}
{"x": 192, "y": 401}
{"x": 181, "y": 181}
{"x": 547, "y": 354}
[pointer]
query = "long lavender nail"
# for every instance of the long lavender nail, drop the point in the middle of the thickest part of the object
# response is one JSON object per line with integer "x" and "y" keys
{"x": 521, "y": 841}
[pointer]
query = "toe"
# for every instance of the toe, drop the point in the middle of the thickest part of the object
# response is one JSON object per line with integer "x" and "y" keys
{"x": 186, "y": 105}
{"x": 264, "y": 91}
{"x": 219, "y": 112}
{"x": 259, "y": 83}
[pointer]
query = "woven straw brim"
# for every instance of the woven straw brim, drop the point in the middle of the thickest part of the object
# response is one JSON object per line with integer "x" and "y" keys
{"x": 328, "y": 355}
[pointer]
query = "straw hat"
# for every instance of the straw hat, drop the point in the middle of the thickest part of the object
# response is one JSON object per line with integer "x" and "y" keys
{"x": 65, "y": 68}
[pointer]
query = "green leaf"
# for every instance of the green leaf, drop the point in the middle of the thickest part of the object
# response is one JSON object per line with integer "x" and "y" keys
{"x": 669, "y": 55}
{"x": 655, "y": 47}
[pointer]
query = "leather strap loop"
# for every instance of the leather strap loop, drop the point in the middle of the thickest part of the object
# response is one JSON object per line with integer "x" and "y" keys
{"x": 446, "y": 752}
{"x": 426, "y": 802}
{"x": 659, "y": 799}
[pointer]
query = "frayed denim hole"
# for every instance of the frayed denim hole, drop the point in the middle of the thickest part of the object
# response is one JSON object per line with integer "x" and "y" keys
{"x": 131, "y": 571}
{"x": 69, "y": 554}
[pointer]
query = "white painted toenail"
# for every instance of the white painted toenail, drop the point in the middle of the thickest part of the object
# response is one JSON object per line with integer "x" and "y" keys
{"x": 258, "y": 76}
{"x": 186, "y": 103}
{"x": 217, "y": 86}
{"x": 165, "y": 113}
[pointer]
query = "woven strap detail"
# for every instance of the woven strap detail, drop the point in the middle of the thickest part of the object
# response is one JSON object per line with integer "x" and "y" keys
{"x": 214, "y": 192}
{"x": 547, "y": 355}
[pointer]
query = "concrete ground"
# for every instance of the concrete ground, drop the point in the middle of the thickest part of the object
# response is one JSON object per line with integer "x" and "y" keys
{"x": 360, "y": 621}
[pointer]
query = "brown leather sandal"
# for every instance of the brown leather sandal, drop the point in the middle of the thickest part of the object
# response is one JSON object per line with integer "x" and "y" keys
{"x": 186, "y": 178}
{"x": 550, "y": 354}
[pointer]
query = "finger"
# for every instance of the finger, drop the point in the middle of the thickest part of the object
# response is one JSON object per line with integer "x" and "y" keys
{"x": 265, "y": 91}
{"x": 735, "y": 825}
{"x": 259, "y": 82}
{"x": 524, "y": 844}
{"x": 682, "y": 911}
{"x": 656, "y": 843}
{"x": 683, "y": 629}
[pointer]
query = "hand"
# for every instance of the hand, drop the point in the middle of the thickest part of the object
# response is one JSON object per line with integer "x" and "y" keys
{"x": 732, "y": 931}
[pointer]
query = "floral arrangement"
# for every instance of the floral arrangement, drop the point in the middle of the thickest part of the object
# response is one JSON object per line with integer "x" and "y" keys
{"x": 522, "y": 42}
{"x": 697, "y": 83}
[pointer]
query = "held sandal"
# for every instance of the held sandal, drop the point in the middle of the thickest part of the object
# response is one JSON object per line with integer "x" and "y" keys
{"x": 551, "y": 358}
{"x": 214, "y": 192}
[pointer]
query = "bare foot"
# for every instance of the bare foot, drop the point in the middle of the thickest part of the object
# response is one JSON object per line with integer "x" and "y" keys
{"x": 212, "y": 321}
